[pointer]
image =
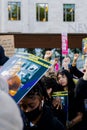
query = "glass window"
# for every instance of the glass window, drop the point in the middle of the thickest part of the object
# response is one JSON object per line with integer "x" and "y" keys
{"x": 42, "y": 12}
{"x": 69, "y": 12}
{"x": 14, "y": 10}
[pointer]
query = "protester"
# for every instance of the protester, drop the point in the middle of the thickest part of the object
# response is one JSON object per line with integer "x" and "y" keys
{"x": 48, "y": 55}
{"x": 3, "y": 57}
{"x": 80, "y": 120}
{"x": 73, "y": 68}
{"x": 66, "y": 62}
{"x": 10, "y": 118}
{"x": 55, "y": 104}
{"x": 65, "y": 79}
{"x": 39, "y": 116}
{"x": 53, "y": 69}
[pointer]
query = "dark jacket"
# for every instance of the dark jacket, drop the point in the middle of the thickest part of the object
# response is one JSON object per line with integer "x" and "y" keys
{"x": 3, "y": 58}
{"x": 81, "y": 101}
{"x": 75, "y": 71}
{"x": 46, "y": 122}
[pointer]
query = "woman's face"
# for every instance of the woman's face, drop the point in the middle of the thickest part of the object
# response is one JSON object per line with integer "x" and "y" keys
{"x": 62, "y": 80}
{"x": 32, "y": 107}
{"x": 31, "y": 103}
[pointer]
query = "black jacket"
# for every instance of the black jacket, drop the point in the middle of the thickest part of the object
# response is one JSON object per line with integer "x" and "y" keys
{"x": 3, "y": 58}
{"x": 75, "y": 71}
{"x": 81, "y": 101}
{"x": 47, "y": 122}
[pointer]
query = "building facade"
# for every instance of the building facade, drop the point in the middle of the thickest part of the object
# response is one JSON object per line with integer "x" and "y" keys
{"x": 43, "y": 16}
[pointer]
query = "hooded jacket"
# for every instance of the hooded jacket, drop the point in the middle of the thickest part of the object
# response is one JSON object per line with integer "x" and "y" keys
{"x": 10, "y": 118}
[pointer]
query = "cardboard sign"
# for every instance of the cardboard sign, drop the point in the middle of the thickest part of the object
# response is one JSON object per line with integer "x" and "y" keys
{"x": 7, "y": 41}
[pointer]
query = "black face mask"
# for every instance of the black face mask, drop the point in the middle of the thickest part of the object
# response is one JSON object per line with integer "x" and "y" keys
{"x": 33, "y": 114}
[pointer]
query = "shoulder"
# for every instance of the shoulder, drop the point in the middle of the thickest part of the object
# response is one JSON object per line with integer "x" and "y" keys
{"x": 53, "y": 121}
{"x": 57, "y": 124}
{"x": 81, "y": 82}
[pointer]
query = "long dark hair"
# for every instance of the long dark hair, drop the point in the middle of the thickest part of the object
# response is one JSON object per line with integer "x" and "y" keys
{"x": 71, "y": 84}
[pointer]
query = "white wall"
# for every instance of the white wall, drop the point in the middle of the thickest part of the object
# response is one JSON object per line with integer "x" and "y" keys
{"x": 55, "y": 24}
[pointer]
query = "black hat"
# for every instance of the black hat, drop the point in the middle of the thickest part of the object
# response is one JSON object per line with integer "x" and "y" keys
{"x": 3, "y": 58}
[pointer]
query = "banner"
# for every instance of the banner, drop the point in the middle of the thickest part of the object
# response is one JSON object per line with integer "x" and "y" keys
{"x": 64, "y": 44}
{"x": 22, "y": 72}
{"x": 63, "y": 95}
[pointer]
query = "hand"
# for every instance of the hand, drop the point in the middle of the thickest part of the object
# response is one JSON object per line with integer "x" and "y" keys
{"x": 76, "y": 55}
{"x": 69, "y": 124}
{"x": 75, "y": 59}
{"x": 65, "y": 66}
{"x": 57, "y": 103}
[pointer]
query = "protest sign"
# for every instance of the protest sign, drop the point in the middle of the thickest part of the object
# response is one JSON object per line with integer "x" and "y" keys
{"x": 7, "y": 42}
{"x": 24, "y": 70}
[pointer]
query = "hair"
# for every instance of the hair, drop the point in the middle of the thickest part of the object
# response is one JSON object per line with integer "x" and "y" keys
{"x": 38, "y": 89}
{"x": 68, "y": 57}
{"x": 50, "y": 82}
{"x": 51, "y": 74}
{"x": 71, "y": 84}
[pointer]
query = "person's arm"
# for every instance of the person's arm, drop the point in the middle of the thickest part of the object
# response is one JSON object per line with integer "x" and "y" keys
{"x": 75, "y": 120}
{"x": 73, "y": 69}
{"x": 76, "y": 55}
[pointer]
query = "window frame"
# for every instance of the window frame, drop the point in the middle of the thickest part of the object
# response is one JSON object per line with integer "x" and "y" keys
{"x": 10, "y": 11}
{"x": 39, "y": 15}
{"x": 69, "y": 16}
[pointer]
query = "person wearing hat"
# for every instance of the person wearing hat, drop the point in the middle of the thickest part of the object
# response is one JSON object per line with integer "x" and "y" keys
{"x": 3, "y": 57}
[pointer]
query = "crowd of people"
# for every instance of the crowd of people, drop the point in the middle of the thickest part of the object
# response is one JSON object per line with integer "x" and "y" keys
{"x": 39, "y": 109}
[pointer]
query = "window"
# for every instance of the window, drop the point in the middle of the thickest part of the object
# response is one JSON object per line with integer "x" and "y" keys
{"x": 14, "y": 10}
{"x": 69, "y": 12}
{"x": 42, "y": 12}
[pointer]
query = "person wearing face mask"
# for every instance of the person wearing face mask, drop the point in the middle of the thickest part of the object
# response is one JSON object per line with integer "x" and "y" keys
{"x": 38, "y": 115}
